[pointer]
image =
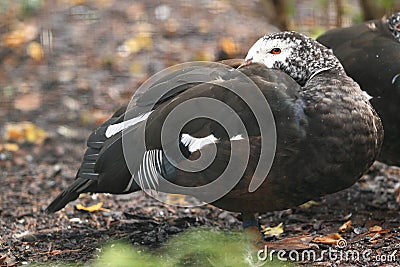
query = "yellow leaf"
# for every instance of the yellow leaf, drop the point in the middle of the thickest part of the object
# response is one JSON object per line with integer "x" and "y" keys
{"x": 136, "y": 67}
{"x": 132, "y": 45}
{"x": 144, "y": 40}
{"x": 309, "y": 204}
{"x": 25, "y": 132}
{"x": 9, "y": 147}
{"x": 277, "y": 230}
{"x": 93, "y": 208}
{"x": 21, "y": 35}
{"x": 35, "y": 51}
{"x": 176, "y": 199}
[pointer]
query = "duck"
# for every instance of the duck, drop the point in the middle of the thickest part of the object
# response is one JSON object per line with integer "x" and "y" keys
{"x": 321, "y": 134}
{"x": 370, "y": 54}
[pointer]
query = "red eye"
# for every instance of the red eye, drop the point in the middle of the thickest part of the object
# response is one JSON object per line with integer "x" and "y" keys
{"x": 275, "y": 51}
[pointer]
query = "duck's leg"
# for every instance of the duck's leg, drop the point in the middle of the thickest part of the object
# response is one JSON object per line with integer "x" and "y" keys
{"x": 251, "y": 226}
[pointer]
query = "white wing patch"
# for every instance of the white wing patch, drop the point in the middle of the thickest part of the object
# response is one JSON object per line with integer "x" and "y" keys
{"x": 237, "y": 137}
{"x": 116, "y": 128}
{"x": 195, "y": 144}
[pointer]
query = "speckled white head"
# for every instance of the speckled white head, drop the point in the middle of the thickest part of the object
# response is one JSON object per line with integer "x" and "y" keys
{"x": 296, "y": 54}
{"x": 394, "y": 25}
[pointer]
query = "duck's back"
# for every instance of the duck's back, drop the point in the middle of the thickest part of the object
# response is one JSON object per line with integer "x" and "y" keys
{"x": 371, "y": 56}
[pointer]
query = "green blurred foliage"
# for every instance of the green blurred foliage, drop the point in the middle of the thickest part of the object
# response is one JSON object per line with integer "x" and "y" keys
{"x": 387, "y": 3}
{"x": 193, "y": 248}
{"x": 24, "y": 8}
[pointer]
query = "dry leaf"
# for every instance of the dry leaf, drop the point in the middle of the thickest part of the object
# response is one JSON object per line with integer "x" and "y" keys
{"x": 9, "y": 147}
{"x": 132, "y": 45}
{"x": 28, "y": 102}
{"x": 145, "y": 41}
{"x": 93, "y": 208}
{"x": 229, "y": 46}
{"x": 176, "y": 199}
{"x": 277, "y": 230}
{"x": 35, "y": 51}
{"x": 24, "y": 33}
{"x": 331, "y": 239}
{"x": 24, "y": 132}
{"x": 345, "y": 227}
{"x": 309, "y": 204}
{"x": 376, "y": 230}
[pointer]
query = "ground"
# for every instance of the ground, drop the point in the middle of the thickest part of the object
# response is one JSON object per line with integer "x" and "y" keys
{"x": 95, "y": 57}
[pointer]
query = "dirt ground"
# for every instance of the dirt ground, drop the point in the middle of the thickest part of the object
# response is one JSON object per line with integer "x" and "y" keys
{"x": 89, "y": 61}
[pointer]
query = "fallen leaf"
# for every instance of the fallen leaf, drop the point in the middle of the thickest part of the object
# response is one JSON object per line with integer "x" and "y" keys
{"x": 35, "y": 51}
{"x": 331, "y": 239}
{"x": 24, "y": 132}
{"x": 345, "y": 227}
{"x": 9, "y": 147}
{"x": 176, "y": 199}
{"x": 277, "y": 230}
{"x": 228, "y": 46}
{"x": 24, "y": 33}
{"x": 376, "y": 229}
{"x": 28, "y": 102}
{"x": 309, "y": 204}
{"x": 93, "y": 208}
{"x": 132, "y": 45}
{"x": 58, "y": 251}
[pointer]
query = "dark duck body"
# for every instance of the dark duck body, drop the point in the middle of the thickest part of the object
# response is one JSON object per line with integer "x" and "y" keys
{"x": 327, "y": 132}
{"x": 370, "y": 54}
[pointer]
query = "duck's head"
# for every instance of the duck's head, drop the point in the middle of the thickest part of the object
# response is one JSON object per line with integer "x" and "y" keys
{"x": 394, "y": 25}
{"x": 296, "y": 54}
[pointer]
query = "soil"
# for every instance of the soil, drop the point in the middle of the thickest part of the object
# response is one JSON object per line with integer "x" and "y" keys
{"x": 83, "y": 77}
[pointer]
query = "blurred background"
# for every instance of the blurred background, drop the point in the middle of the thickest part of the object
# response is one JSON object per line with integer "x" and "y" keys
{"x": 72, "y": 62}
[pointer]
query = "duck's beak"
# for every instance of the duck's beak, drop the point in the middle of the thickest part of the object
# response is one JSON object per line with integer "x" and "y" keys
{"x": 246, "y": 63}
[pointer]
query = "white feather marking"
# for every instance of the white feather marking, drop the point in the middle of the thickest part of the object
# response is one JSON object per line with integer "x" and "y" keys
{"x": 367, "y": 95}
{"x": 150, "y": 167}
{"x": 139, "y": 173}
{"x": 195, "y": 144}
{"x": 395, "y": 78}
{"x": 237, "y": 137}
{"x": 145, "y": 171}
{"x": 319, "y": 71}
{"x": 116, "y": 128}
{"x": 129, "y": 185}
{"x": 159, "y": 161}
